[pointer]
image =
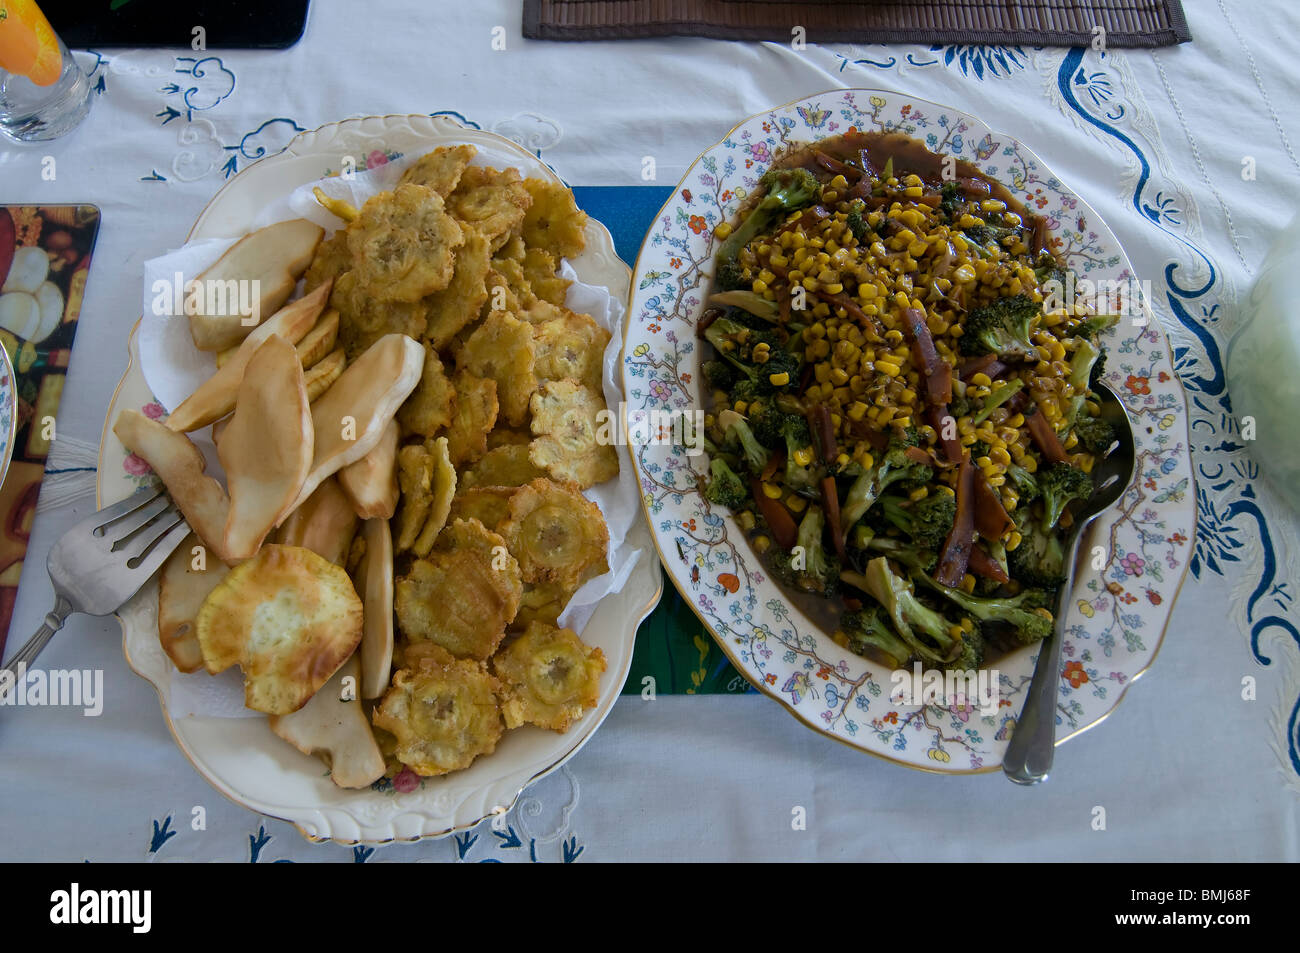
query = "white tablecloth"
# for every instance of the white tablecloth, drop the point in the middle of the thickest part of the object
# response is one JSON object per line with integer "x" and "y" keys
{"x": 1185, "y": 768}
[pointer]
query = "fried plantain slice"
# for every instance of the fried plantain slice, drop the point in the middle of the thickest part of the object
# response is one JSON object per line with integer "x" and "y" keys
{"x": 502, "y": 348}
{"x": 554, "y": 223}
{"x": 460, "y": 302}
{"x": 403, "y": 244}
{"x": 490, "y": 505}
{"x": 364, "y": 319}
{"x": 507, "y": 465}
{"x": 430, "y": 407}
{"x": 475, "y": 415}
{"x": 570, "y": 347}
{"x": 440, "y": 169}
{"x": 491, "y": 201}
{"x": 323, "y": 374}
{"x": 556, "y": 533}
{"x": 442, "y": 490}
{"x": 331, "y": 260}
{"x": 463, "y": 594}
{"x": 539, "y": 271}
{"x": 181, "y": 591}
{"x": 288, "y": 618}
{"x": 542, "y": 602}
{"x": 551, "y": 678}
{"x": 571, "y": 437}
{"x": 415, "y": 480}
{"x": 504, "y": 436}
{"x": 501, "y": 296}
{"x": 443, "y": 714}
{"x": 510, "y": 272}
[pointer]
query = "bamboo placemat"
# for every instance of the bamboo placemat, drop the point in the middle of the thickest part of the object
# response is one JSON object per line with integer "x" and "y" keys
{"x": 1127, "y": 23}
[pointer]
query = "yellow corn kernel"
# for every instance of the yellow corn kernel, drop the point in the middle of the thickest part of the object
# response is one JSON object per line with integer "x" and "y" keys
{"x": 887, "y": 368}
{"x": 840, "y": 183}
{"x": 1013, "y": 541}
{"x": 993, "y": 205}
{"x": 843, "y": 460}
{"x": 963, "y": 274}
{"x": 946, "y": 489}
{"x": 822, "y": 373}
{"x": 907, "y": 396}
{"x": 741, "y": 407}
{"x": 1045, "y": 613}
{"x": 867, "y": 460}
{"x": 833, "y": 288}
{"x": 1071, "y": 442}
{"x": 1086, "y": 464}
{"x": 762, "y": 544}
{"x": 857, "y": 410}
{"x": 839, "y": 376}
{"x": 796, "y": 503}
{"x": 803, "y": 456}
{"x": 771, "y": 491}
{"x": 1000, "y": 456}
{"x": 779, "y": 380}
{"x": 955, "y": 631}
{"x": 1016, "y": 421}
{"x": 759, "y": 286}
{"x": 903, "y": 421}
{"x": 722, "y": 231}
{"x": 913, "y": 191}
{"x": 968, "y": 583}
{"x": 919, "y": 493}
{"x": 830, "y": 195}
{"x": 981, "y": 380}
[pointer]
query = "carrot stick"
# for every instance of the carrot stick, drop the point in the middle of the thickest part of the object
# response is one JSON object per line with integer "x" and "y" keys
{"x": 982, "y": 564}
{"x": 991, "y": 519}
{"x": 957, "y": 547}
{"x": 1045, "y": 437}
{"x": 784, "y": 533}
{"x": 938, "y": 373}
{"x": 952, "y": 449}
{"x": 831, "y": 507}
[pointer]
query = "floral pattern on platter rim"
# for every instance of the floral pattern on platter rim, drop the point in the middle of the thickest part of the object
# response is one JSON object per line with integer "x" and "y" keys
{"x": 240, "y": 757}
{"x": 8, "y": 413}
{"x": 1116, "y": 615}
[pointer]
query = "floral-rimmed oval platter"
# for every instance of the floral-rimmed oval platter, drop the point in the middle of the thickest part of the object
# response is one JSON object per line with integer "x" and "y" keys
{"x": 240, "y": 756}
{"x": 1115, "y": 617}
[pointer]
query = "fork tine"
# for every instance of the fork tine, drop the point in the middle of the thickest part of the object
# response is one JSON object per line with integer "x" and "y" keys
{"x": 162, "y": 547}
{"x": 109, "y": 515}
{"x": 126, "y": 528}
{"x": 137, "y": 545}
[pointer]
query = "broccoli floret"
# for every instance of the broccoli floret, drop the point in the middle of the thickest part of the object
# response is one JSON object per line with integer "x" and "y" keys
{"x": 1094, "y": 327}
{"x": 989, "y": 234}
{"x": 857, "y": 222}
{"x": 911, "y": 618}
{"x": 821, "y": 570}
{"x": 1016, "y": 611}
{"x": 869, "y": 633}
{"x": 787, "y": 190}
{"x": 1085, "y": 355}
{"x": 891, "y": 466}
{"x": 730, "y": 276}
{"x": 1039, "y": 560}
{"x": 1049, "y": 269}
{"x": 767, "y": 422}
{"x": 960, "y": 406}
{"x": 951, "y": 203}
{"x": 725, "y": 488}
{"x": 737, "y": 431}
{"x": 1095, "y": 435}
{"x": 735, "y": 344}
{"x": 1026, "y": 484}
{"x": 971, "y": 656}
{"x": 798, "y": 443}
{"x": 720, "y": 375}
{"x": 979, "y": 449}
{"x": 1098, "y": 369}
{"x": 1061, "y": 484}
{"x": 928, "y": 521}
{"x": 1001, "y": 328}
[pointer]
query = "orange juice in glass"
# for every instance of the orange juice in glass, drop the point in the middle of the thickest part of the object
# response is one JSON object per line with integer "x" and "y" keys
{"x": 43, "y": 93}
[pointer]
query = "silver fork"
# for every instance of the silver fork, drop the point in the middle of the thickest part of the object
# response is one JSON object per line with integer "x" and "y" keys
{"x": 103, "y": 561}
{"x": 1029, "y": 755}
